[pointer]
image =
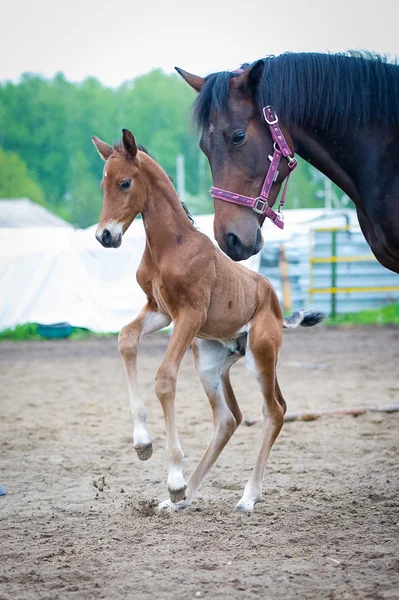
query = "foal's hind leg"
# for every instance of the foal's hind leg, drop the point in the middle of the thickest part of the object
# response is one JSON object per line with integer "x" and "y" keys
{"x": 262, "y": 352}
{"x": 213, "y": 361}
{"x": 147, "y": 322}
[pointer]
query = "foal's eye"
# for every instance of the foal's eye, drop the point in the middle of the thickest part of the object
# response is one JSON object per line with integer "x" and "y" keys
{"x": 238, "y": 138}
{"x": 125, "y": 186}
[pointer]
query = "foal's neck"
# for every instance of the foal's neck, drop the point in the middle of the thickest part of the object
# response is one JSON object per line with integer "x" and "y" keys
{"x": 165, "y": 220}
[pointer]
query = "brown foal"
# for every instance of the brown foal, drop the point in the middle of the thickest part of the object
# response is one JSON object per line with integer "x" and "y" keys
{"x": 221, "y": 308}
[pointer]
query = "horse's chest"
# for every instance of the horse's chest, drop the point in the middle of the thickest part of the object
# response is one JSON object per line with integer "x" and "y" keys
{"x": 158, "y": 292}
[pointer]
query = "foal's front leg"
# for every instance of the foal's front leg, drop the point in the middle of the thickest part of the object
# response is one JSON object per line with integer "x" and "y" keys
{"x": 147, "y": 322}
{"x": 184, "y": 331}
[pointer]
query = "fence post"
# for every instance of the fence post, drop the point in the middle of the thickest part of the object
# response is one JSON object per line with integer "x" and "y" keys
{"x": 333, "y": 274}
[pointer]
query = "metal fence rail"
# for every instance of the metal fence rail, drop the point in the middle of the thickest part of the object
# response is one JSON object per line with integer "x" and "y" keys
{"x": 331, "y": 269}
{"x": 346, "y": 250}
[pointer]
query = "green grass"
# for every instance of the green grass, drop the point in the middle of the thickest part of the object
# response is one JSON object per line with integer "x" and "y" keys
{"x": 28, "y": 332}
{"x": 389, "y": 315}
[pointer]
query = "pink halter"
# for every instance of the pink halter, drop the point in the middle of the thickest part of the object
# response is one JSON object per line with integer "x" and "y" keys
{"x": 260, "y": 204}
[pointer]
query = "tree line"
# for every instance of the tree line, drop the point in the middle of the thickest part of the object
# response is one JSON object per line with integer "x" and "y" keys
{"x": 46, "y": 153}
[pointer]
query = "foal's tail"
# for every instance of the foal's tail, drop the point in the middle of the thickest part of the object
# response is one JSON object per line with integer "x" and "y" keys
{"x": 306, "y": 318}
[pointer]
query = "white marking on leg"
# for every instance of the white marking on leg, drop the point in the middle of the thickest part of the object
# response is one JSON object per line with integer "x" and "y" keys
{"x": 252, "y": 494}
{"x": 212, "y": 360}
{"x": 266, "y": 377}
{"x": 170, "y": 506}
{"x": 176, "y": 481}
{"x": 141, "y": 439}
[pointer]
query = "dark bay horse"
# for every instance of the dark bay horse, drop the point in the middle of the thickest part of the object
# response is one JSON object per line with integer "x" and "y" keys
{"x": 223, "y": 309}
{"x": 340, "y": 112}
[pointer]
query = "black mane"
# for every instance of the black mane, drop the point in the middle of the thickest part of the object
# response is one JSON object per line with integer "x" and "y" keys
{"x": 316, "y": 90}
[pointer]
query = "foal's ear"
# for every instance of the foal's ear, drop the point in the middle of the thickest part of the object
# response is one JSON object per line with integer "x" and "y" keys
{"x": 251, "y": 77}
{"x": 104, "y": 150}
{"x": 129, "y": 143}
{"x": 194, "y": 81}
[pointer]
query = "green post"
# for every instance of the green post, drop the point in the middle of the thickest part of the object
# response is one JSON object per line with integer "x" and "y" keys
{"x": 333, "y": 274}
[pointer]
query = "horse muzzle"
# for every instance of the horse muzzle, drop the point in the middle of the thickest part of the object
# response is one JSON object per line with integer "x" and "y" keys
{"x": 109, "y": 239}
{"x": 237, "y": 249}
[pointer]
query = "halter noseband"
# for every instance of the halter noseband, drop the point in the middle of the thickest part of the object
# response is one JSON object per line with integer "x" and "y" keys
{"x": 260, "y": 204}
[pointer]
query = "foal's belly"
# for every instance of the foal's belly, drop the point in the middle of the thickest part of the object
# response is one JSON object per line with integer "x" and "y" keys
{"x": 223, "y": 327}
{"x": 222, "y": 335}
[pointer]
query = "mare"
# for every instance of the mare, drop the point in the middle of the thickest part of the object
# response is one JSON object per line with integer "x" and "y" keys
{"x": 340, "y": 112}
{"x": 221, "y": 308}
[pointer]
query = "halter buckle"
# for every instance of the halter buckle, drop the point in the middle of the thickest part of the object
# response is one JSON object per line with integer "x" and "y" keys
{"x": 260, "y": 205}
{"x": 275, "y": 120}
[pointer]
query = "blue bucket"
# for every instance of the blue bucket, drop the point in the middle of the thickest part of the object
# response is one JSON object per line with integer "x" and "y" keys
{"x": 55, "y": 331}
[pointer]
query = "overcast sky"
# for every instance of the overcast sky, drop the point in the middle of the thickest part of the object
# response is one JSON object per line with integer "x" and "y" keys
{"x": 118, "y": 40}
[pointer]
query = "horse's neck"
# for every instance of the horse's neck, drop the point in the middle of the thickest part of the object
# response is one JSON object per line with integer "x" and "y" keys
{"x": 343, "y": 157}
{"x": 165, "y": 220}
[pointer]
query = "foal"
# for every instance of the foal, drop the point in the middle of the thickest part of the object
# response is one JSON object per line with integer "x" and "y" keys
{"x": 220, "y": 307}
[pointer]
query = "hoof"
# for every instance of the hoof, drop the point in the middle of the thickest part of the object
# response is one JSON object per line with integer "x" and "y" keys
{"x": 169, "y": 506}
{"x": 246, "y": 506}
{"x": 177, "y": 495}
{"x": 144, "y": 451}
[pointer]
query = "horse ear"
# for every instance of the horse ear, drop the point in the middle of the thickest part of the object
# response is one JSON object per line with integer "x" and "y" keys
{"x": 104, "y": 150}
{"x": 194, "y": 81}
{"x": 251, "y": 78}
{"x": 129, "y": 143}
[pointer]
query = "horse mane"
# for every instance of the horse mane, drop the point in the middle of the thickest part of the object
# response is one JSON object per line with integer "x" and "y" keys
{"x": 316, "y": 90}
{"x": 118, "y": 146}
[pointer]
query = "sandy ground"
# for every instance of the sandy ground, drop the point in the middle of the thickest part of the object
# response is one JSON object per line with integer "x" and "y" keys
{"x": 79, "y": 520}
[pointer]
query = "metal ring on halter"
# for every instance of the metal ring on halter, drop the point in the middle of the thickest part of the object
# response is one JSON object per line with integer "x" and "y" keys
{"x": 256, "y": 207}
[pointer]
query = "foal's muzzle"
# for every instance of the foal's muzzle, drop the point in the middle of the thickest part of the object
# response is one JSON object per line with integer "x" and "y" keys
{"x": 107, "y": 240}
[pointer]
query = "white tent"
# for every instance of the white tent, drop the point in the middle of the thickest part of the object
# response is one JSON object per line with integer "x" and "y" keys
{"x": 60, "y": 274}
{"x": 21, "y": 212}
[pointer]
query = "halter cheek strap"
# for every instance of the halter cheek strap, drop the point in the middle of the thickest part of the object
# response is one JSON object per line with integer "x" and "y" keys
{"x": 260, "y": 204}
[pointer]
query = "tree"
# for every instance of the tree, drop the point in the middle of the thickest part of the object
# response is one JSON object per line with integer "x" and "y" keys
{"x": 48, "y": 123}
{"x": 15, "y": 181}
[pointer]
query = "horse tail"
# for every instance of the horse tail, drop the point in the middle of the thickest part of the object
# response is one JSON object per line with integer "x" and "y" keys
{"x": 305, "y": 318}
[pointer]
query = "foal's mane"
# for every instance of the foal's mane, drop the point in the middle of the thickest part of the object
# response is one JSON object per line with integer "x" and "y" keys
{"x": 118, "y": 146}
{"x": 316, "y": 90}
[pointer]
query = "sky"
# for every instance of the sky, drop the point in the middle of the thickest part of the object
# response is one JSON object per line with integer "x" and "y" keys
{"x": 118, "y": 40}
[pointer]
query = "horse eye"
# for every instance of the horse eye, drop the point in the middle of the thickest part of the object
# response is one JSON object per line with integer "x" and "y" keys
{"x": 125, "y": 186}
{"x": 238, "y": 137}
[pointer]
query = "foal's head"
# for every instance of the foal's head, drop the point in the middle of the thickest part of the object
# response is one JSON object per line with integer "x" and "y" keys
{"x": 123, "y": 189}
{"x": 237, "y": 143}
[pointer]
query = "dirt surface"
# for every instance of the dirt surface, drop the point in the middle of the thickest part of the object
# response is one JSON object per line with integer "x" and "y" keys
{"x": 79, "y": 520}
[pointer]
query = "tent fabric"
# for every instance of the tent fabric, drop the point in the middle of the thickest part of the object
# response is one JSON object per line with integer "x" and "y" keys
{"x": 22, "y": 212}
{"x": 59, "y": 274}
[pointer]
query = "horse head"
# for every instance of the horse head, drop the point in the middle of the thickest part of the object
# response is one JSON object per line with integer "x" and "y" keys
{"x": 123, "y": 193}
{"x": 237, "y": 142}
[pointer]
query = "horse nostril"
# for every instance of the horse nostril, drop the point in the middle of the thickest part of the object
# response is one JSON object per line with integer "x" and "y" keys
{"x": 234, "y": 245}
{"x": 106, "y": 237}
{"x": 233, "y": 241}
